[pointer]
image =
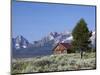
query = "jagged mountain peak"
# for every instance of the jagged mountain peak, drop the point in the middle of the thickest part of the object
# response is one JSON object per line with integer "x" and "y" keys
{"x": 20, "y": 37}
{"x": 50, "y": 39}
{"x": 20, "y": 42}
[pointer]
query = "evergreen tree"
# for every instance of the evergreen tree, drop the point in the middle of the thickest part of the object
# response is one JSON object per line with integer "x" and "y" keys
{"x": 81, "y": 36}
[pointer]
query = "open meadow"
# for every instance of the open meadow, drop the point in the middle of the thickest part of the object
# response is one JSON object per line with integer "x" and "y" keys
{"x": 59, "y": 62}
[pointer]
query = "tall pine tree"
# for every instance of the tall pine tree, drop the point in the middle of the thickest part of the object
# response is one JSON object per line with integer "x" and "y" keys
{"x": 81, "y": 36}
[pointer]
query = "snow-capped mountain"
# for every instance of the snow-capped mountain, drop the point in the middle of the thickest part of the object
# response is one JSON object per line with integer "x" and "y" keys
{"x": 59, "y": 36}
{"x": 53, "y": 38}
{"x": 49, "y": 40}
{"x": 20, "y": 42}
{"x": 64, "y": 37}
{"x": 93, "y": 39}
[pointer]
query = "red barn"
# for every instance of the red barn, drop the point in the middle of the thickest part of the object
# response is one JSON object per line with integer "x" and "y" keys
{"x": 61, "y": 48}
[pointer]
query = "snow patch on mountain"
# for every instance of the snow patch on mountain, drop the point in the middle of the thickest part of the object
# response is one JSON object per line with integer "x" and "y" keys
{"x": 20, "y": 42}
{"x": 93, "y": 39}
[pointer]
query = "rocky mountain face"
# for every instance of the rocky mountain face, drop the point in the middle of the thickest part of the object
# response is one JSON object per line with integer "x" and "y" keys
{"x": 50, "y": 40}
{"x": 53, "y": 38}
{"x": 20, "y": 42}
{"x": 64, "y": 37}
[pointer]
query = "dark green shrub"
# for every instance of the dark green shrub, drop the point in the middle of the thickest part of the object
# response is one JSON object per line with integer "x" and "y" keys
{"x": 71, "y": 50}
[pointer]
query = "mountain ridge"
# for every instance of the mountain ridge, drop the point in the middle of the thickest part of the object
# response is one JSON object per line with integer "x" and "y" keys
{"x": 51, "y": 39}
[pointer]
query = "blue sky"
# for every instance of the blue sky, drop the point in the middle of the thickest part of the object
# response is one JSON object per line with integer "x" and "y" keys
{"x": 35, "y": 20}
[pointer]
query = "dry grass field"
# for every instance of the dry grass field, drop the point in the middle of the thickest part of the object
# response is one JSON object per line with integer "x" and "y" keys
{"x": 60, "y": 62}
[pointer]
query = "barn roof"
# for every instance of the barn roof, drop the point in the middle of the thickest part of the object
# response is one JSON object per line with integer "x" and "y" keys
{"x": 66, "y": 45}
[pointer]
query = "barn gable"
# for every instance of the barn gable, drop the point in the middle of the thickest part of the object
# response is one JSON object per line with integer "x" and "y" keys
{"x": 61, "y": 48}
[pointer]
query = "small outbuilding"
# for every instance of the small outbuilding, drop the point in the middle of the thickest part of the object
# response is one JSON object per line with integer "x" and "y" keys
{"x": 61, "y": 48}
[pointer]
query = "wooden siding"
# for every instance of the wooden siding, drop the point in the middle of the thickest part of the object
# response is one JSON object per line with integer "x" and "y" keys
{"x": 60, "y": 49}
